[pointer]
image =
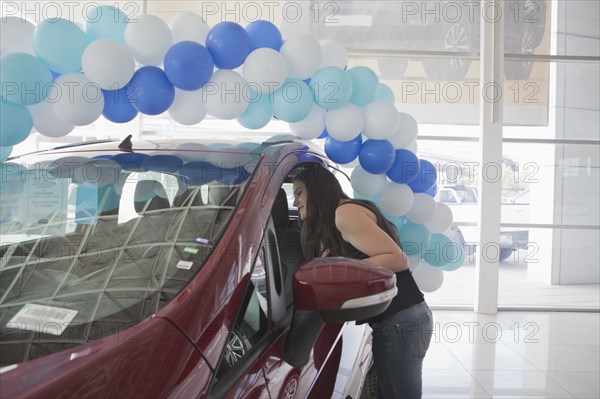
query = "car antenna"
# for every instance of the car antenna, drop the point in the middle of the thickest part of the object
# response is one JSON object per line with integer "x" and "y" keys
{"x": 126, "y": 144}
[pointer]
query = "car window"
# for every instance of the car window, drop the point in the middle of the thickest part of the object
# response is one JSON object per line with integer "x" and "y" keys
{"x": 91, "y": 246}
{"x": 252, "y": 322}
{"x": 447, "y": 196}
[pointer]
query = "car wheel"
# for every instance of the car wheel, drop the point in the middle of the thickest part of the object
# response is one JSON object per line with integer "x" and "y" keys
{"x": 456, "y": 38}
{"x": 505, "y": 253}
{"x": 236, "y": 348}
{"x": 369, "y": 389}
{"x": 392, "y": 68}
{"x": 521, "y": 69}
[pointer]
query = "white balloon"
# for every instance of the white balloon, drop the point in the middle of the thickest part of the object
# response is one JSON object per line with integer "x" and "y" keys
{"x": 265, "y": 70}
{"x": 428, "y": 278}
{"x": 414, "y": 261}
{"x": 17, "y": 35}
{"x": 189, "y": 26}
{"x": 108, "y": 63}
{"x": 225, "y": 95}
{"x": 423, "y": 209}
{"x": 187, "y": 108}
{"x": 381, "y": 120}
{"x": 344, "y": 124}
{"x": 76, "y": 100}
{"x": 46, "y": 122}
{"x": 312, "y": 126}
{"x": 396, "y": 199}
{"x": 149, "y": 39}
{"x": 365, "y": 183}
{"x": 334, "y": 54}
{"x": 303, "y": 55}
{"x": 442, "y": 219}
{"x": 413, "y": 147}
{"x": 355, "y": 163}
{"x": 406, "y": 131}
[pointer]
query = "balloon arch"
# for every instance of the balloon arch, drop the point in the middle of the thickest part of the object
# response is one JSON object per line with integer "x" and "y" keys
{"x": 56, "y": 76}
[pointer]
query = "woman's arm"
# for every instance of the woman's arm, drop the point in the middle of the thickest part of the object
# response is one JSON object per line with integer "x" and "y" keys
{"x": 358, "y": 226}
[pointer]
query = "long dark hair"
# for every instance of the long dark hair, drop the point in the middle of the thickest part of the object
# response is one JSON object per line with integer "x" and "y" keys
{"x": 323, "y": 195}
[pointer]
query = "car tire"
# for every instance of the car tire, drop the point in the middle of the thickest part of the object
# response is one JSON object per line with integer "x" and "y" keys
{"x": 369, "y": 389}
{"x": 505, "y": 253}
{"x": 392, "y": 68}
{"x": 518, "y": 70}
{"x": 236, "y": 348}
{"x": 456, "y": 38}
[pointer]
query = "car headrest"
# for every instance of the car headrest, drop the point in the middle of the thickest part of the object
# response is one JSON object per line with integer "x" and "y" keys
{"x": 280, "y": 211}
{"x": 150, "y": 195}
{"x": 222, "y": 195}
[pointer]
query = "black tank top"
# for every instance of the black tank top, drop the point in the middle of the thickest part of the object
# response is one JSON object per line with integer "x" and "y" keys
{"x": 408, "y": 292}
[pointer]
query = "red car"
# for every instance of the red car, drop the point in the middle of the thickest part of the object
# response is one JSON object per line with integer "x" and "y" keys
{"x": 173, "y": 269}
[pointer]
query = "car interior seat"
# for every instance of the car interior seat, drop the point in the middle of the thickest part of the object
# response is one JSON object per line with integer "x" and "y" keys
{"x": 288, "y": 242}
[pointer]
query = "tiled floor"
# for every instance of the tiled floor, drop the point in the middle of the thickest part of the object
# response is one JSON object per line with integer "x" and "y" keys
{"x": 513, "y": 355}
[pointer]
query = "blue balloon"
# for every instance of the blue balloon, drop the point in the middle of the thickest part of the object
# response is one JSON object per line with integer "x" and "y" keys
{"x": 385, "y": 93}
{"x": 259, "y": 112}
{"x": 55, "y": 74}
{"x": 188, "y": 65}
{"x": 15, "y": 123}
{"x": 198, "y": 173}
{"x": 440, "y": 251}
{"x": 229, "y": 45}
{"x": 60, "y": 44}
{"x": 232, "y": 176}
{"x": 425, "y": 179}
{"x": 105, "y": 22}
{"x": 264, "y": 34}
{"x": 162, "y": 163}
{"x": 343, "y": 152}
{"x": 324, "y": 135}
{"x": 5, "y": 153}
{"x": 414, "y": 238}
{"x": 432, "y": 192}
{"x": 364, "y": 197}
{"x": 24, "y": 78}
{"x": 364, "y": 85}
{"x": 376, "y": 156}
{"x": 150, "y": 91}
{"x": 457, "y": 262}
{"x": 131, "y": 161}
{"x": 293, "y": 101}
{"x": 405, "y": 168}
{"x": 331, "y": 87}
{"x": 117, "y": 106}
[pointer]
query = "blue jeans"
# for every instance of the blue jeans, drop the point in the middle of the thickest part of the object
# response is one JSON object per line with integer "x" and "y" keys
{"x": 399, "y": 346}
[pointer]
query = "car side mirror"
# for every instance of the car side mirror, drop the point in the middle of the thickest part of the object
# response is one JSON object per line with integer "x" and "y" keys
{"x": 334, "y": 290}
{"x": 343, "y": 289}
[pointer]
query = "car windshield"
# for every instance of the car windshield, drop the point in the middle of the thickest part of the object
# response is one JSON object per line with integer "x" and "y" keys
{"x": 93, "y": 242}
{"x": 466, "y": 195}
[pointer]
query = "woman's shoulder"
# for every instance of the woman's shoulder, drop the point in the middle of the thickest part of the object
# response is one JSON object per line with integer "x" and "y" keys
{"x": 349, "y": 207}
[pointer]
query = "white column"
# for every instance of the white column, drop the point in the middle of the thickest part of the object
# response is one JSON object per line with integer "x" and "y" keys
{"x": 490, "y": 183}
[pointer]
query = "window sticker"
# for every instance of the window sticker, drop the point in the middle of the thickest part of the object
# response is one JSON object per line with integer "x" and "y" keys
{"x": 44, "y": 319}
{"x": 184, "y": 264}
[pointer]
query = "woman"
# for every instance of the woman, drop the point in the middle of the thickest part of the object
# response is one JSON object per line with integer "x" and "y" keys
{"x": 335, "y": 225}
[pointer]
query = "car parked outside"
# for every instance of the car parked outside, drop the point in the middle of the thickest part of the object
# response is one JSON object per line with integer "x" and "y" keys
{"x": 431, "y": 25}
{"x": 173, "y": 270}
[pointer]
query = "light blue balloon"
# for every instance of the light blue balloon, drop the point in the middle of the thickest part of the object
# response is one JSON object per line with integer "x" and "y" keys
{"x": 365, "y": 197}
{"x": 15, "y": 123}
{"x": 105, "y": 22}
{"x": 24, "y": 79}
{"x": 385, "y": 93}
{"x": 59, "y": 44}
{"x": 5, "y": 153}
{"x": 259, "y": 112}
{"x": 414, "y": 238}
{"x": 364, "y": 85}
{"x": 456, "y": 262}
{"x": 440, "y": 251}
{"x": 331, "y": 87}
{"x": 293, "y": 101}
